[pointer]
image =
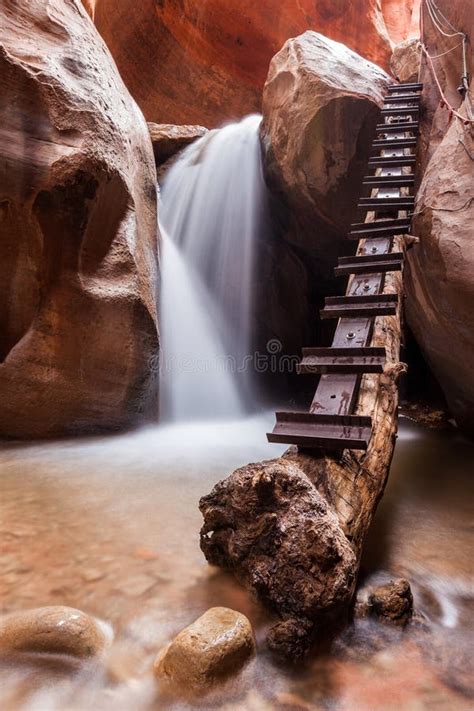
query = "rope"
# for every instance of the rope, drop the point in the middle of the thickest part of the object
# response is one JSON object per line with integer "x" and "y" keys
{"x": 432, "y": 8}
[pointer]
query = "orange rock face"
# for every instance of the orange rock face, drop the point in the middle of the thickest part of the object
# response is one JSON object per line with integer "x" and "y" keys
{"x": 78, "y": 230}
{"x": 205, "y": 61}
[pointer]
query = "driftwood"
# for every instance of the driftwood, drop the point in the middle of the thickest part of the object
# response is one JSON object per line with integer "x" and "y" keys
{"x": 292, "y": 529}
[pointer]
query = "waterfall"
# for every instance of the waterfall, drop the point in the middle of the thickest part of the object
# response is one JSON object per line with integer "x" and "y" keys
{"x": 214, "y": 210}
{"x": 196, "y": 380}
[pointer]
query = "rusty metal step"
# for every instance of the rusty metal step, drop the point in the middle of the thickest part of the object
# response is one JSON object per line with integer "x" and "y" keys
{"x": 342, "y": 360}
{"x": 392, "y": 203}
{"x": 372, "y": 231}
{"x": 386, "y": 143}
{"x": 392, "y": 161}
{"x": 388, "y": 181}
{"x": 396, "y": 127}
{"x": 369, "y": 264}
{"x": 325, "y": 431}
{"x": 405, "y": 87}
{"x": 404, "y": 111}
{"x": 359, "y": 306}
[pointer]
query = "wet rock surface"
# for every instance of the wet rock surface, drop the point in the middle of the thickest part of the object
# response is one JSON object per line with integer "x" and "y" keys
{"x": 392, "y": 602}
{"x": 78, "y": 246}
{"x": 272, "y": 528}
{"x": 52, "y": 630}
{"x": 213, "y": 647}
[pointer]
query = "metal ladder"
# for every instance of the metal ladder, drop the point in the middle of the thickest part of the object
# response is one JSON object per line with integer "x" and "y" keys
{"x": 330, "y": 422}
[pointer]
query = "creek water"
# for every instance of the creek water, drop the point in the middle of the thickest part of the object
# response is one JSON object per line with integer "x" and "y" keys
{"x": 111, "y": 526}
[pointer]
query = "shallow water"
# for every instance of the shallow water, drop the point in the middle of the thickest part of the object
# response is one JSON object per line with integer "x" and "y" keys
{"x": 111, "y": 526}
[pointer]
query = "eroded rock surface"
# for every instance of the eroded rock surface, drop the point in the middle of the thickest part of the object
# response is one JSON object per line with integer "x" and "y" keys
{"x": 216, "y": 645}
{"x": 320, "y": 104}
{"x": 269, "y": 524}
{"x": 78, "y": 226}
{"x": 440, "y": 283}
{"x": 52, "y": 630}
{"x": 206, "y": 62}
{"x": 168, "y": 139}
{"x": 392, "y": 602}
{"x": 439, "y": 277}
{"x": 405, "y": 60}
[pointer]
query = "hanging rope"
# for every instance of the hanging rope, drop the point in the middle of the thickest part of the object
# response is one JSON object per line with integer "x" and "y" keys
{"x": 435, "y": 15}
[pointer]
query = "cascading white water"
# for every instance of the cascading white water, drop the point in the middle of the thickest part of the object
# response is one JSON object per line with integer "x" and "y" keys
{"x": 214, "y": 210}
{"x": 196, "y": 380}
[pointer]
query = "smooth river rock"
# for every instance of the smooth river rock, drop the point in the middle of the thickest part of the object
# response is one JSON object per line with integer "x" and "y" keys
{"x": 212, "y": 648}
{"x": 204, "y": 62}
{"x": 78, "y": 231}
{"x": 320, "y": 105}
{"x": 52, "y": 630}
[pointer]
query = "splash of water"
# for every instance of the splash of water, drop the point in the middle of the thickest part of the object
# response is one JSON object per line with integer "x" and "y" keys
{"x": 214, "y": 208}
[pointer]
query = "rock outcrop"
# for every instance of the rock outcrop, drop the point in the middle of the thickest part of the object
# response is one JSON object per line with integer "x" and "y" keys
{"x": 405, "y": 60}
{"x": 206, "y": 62}
{"x": 78, "y": 267}
{"x": 330, "y": 97}
{"x": 208, "y": 651}
{"x": 168, "y": 139}
{"x": 53, "y": 630}
{"x": 439, "y": 277}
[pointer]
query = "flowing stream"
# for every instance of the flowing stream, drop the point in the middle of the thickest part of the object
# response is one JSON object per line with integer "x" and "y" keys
{"x": 111, "y": 526}
{"x": 213, "y": 212}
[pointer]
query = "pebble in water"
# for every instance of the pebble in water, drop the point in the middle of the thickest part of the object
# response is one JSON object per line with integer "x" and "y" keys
{"x": 53, "y": 630}
{"x": 216, "y": 645}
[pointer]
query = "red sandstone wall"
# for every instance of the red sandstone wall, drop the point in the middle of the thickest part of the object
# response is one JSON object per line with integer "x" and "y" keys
{"x": 205, "y": 61}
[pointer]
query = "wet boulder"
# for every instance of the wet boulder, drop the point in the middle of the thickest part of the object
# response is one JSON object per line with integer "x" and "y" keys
{"x": 53, "y": 630}
{"x": 212, "y": 648}
{"x": 392, "y": 602}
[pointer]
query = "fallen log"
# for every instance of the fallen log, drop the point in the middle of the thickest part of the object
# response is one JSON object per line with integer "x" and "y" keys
{"x": 292, "y": 529}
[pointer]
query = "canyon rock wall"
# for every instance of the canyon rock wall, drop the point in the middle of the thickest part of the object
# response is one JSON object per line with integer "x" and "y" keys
{"x": 78, "y": 267}
{"x": 440, "y": 269}
{"x": 205, "y": 61}
{"x": 330, "y": 97}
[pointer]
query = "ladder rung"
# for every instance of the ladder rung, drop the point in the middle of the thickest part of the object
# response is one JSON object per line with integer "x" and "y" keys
{"x": 401, "y": 203}
{"x": 370, "y": 264}
{"x": 360, "y": 306}
{"x": 401, "y": 98}
{"x": 376, "y": 232}
{"x": 389, "y": 181}
{"x": 397, "y": 127}
{"x": 391, "y": 161}
{"x": 342, "y": 360}
{"x": 384, "y": 143}
{"x": 326, "y": 431}
{"x": 405, "y": 87}
{"x": 401, "y": 112}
